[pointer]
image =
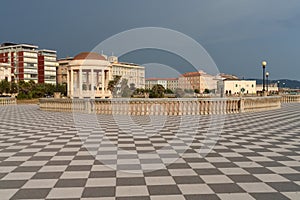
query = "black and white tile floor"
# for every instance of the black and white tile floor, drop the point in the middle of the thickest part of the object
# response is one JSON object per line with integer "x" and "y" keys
{"x": 45, "y": 155}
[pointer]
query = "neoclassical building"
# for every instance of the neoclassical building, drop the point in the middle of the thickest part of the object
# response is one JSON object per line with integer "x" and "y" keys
{"x": 88, "y": 76}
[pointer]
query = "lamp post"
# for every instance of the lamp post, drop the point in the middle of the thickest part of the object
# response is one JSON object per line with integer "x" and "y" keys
{"x": 267, "y": 77}
{"x": 264, "y": 64}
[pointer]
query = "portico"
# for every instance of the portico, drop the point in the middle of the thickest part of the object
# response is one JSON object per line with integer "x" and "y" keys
{"x": 88, "y": 76}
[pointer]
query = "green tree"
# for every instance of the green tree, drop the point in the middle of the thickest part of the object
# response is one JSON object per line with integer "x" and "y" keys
{"x": 157, "y": 91}
{"x": 113, "y": 83}
{"x": 197, "y": 91}
{"x": 4, "y": 86}
{"x": 169, "y": 91}
{"x": 206, "y": 91}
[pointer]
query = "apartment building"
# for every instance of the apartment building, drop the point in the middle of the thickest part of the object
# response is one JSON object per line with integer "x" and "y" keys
{"x": 134, "y": 73}
{"x": 197, "y": 81}
{"x": 29, "y": 63}
{"x": 167, "y": 83}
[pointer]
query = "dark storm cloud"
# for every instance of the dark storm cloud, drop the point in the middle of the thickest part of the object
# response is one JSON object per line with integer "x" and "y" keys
{"x": 237, "y": 34}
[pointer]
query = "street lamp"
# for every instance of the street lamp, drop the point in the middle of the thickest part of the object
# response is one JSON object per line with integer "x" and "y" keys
{"x": 264, "y": 64}
{"x": 267, "y": 77}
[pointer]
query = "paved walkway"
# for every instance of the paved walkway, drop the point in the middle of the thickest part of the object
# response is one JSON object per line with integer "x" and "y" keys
{"x": 42, "y": 156}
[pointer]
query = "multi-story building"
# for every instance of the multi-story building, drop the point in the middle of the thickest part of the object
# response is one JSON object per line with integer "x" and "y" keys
{"x": 47, "y": 66}
{"x": 5, "y": 72}
{"x": 150, "y": 82}
{"x": 197, "y": 81}
{"x": 26, "y": 64}
{"x": 172, "y": 83}
{"x": 62, "y": 70}
{"x": 135, "y": 74}
{"x": 167, "y": 83}
{"x": 234, "y": 87}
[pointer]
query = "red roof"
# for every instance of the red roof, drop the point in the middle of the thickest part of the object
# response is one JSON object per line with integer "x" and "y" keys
{"x": 89, "y": 55}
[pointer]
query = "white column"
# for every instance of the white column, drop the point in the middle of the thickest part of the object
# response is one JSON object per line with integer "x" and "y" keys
{"x": 103, "y": 81}
{"x": 92, "y": 84}
{"x": 71, "y": 85}
{"x": 80, "y": 82}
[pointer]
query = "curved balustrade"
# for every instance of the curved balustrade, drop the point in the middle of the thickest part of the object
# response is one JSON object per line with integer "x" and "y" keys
{"x": 290, "y": 98}
{"x": 7, "y": 101}
{"x": 136, "y": 106}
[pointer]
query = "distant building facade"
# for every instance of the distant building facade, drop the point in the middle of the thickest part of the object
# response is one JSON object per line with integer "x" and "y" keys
{"x": 134, "y": 73}
{"x": 235, "y": 87}
{"x": 62, "y": 70}
{"x": 47, "y": 66}
{"x": 29, "y": 63}
{"x": 5, "y": 72}
{"x": 167, "y": 83}
{"x": 197, "y": 81}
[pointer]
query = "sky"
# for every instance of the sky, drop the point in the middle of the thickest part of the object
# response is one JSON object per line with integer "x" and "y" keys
{"x": 237, "y": 34}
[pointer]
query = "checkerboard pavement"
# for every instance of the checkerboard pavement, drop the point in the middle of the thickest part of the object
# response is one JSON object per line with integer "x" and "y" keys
{"x": 43, "y": 156}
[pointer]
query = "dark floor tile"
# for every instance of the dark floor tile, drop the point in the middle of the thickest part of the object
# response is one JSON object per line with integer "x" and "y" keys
{"x": 130, "y": 181}
{"x": 31, "y": 194}
{"x": 270, "y": 164}
{"x": 47, "y": 175}
{"x": 9, "y": 184}
{"x": 102, "y": 174}
{"x": 178, "y": 166}
{"x": 226, "y": 188}
{"x": 27, "y": 169}
{"x": 99, "y": 192}
{"x": 268, "y": 196}
{"x": 11, "y": 163}
{"x": 291, "y": 177}
{"x": 70, "y": 183}
{"x": 58, "y": 162}
{"x": 133, "y": 198}
{"x": 285, "y": 186}
{"x": 209, "y": 171}
{"x": 40, "y": 158}
{"x": 224, "y": 165}
{"x": 129, "y": 167}
{"x": 188, "y": 180}
{"x": 161, "y": 172}
{"x": 258, "y": 170}
{"x": 165, "y": 190}
{"x": 202, "y": 197}
{"x": 79, "y": 168}
{"x": 243, "y": 178}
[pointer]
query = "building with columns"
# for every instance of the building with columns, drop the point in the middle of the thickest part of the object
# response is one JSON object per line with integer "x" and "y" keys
{"x": 5, "y": 72}
{"x": 88, "y": 76}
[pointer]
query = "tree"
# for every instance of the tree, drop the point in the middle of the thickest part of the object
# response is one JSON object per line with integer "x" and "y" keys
{"x": 4, "y": 86}
{"x": 197, "y": 91}
{"x": 113, "y": 83}
{"x": 157, "y": 91}
{"x": 169, "y": 91}
{"x": 206, "y": 91}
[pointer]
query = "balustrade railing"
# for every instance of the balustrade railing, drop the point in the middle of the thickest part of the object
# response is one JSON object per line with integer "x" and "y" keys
{"x": 137, "y": 106}
{"x": 290, "y": 98}
{"x": 7, "y": 101}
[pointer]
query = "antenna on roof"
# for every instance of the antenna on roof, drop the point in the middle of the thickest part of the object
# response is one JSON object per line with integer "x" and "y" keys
{"x": 102, "y": 52}
{"x": 112, "y": 53}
